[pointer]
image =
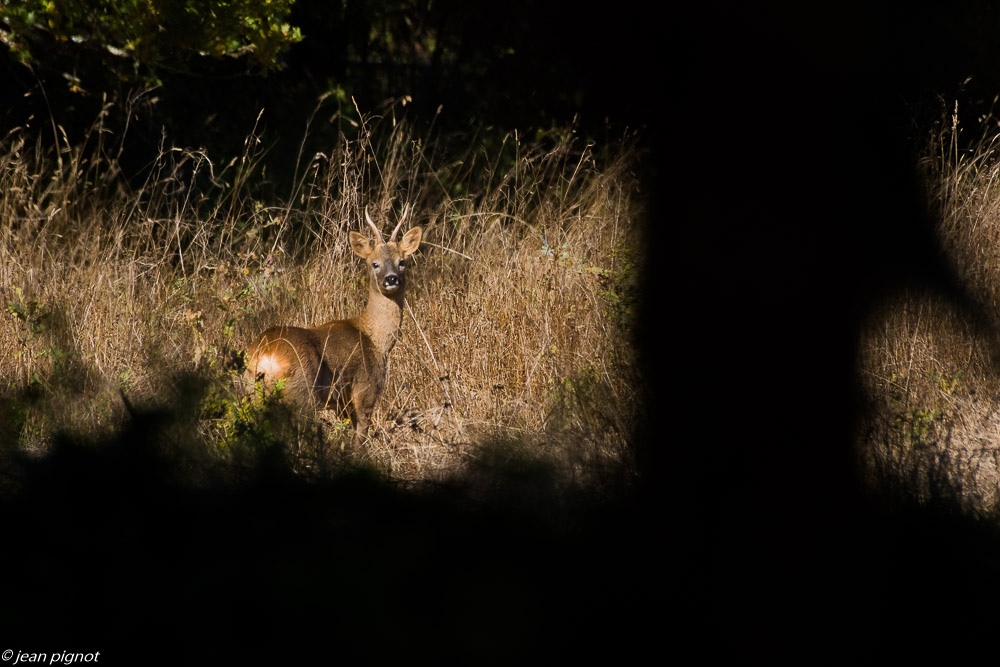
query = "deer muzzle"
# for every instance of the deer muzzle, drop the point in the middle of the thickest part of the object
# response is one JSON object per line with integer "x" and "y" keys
{"x": 392, "y": 283}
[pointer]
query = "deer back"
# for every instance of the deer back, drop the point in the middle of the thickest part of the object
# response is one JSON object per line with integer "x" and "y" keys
{"x": 320, "y": 365}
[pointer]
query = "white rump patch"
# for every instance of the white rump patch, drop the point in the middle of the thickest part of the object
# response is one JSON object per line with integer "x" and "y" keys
{"x": 269, "y": 365}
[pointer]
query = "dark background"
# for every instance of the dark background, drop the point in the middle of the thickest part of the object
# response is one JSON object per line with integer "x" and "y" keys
{"x": 782, "y": 205}
{"x": 523, "y": 64}
{"x": 796, "y": 209}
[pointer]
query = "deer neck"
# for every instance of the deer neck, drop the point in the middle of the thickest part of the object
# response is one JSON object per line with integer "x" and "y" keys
{"x": 381, "y": 319}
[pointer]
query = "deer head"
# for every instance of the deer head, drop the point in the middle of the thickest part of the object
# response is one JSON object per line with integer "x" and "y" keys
{"x": 386, "y": 260}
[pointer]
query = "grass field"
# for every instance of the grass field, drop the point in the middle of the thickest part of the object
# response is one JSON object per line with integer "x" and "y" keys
{"x": 929, "y": 360}
{"x": 123, "y": 296}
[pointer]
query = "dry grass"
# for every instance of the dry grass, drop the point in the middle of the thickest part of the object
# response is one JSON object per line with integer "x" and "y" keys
{"x": 933, "y": 384}
{"x": 516, "y": 337}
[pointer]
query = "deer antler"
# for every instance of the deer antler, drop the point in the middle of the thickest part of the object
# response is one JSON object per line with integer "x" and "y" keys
{"x": 402, "y": 219}
{"x": 368, "y": 219}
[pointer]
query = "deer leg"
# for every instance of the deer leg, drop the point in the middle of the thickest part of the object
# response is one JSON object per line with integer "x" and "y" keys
{"x": 362, "y": 403}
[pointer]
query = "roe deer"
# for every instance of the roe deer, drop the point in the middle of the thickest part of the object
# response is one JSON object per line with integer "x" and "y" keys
{"x": 342, "y": 364}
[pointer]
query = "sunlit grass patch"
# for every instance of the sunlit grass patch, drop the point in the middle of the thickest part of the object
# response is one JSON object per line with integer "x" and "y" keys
{"x": 519, "y": 313}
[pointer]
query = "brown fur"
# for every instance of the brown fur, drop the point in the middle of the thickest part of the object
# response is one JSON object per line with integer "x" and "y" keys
{"x": 342, "y": 364}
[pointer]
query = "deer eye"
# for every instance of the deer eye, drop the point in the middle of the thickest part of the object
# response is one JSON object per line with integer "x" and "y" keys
{"x": 374, "y": 265}
{"x": 402, "y": 263}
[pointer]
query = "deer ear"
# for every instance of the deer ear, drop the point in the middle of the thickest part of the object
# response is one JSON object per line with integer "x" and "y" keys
{"x": 410, "y": 241}
{"x": 361, "y": 245}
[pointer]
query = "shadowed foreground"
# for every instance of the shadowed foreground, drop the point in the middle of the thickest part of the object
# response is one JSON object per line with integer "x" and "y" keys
{"x": 112, "y": 547}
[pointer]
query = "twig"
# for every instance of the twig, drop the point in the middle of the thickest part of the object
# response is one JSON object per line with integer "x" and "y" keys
{"x": 446, "y": 249}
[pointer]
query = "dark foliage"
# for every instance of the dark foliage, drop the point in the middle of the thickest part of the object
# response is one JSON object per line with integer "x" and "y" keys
{"x": 460, "y": 66}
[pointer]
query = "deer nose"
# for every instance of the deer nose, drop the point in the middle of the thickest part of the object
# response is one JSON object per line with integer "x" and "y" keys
{"x": 391, "y": 281}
